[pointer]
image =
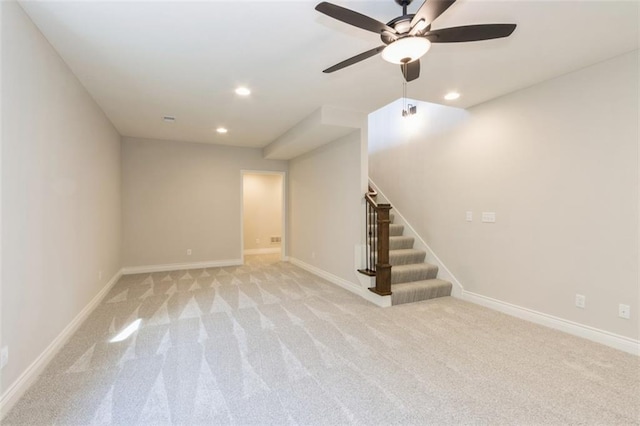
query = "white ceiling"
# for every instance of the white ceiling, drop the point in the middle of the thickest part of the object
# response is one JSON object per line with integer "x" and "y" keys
{"x": 143, "y": 60}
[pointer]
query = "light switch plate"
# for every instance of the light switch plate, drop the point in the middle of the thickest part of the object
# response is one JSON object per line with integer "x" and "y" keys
{"x": 488, "y": 217}
{"x": 469, "y": 216}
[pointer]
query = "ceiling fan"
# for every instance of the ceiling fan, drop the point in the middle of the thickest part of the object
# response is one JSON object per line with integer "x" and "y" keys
{"x": 409, "y": 36}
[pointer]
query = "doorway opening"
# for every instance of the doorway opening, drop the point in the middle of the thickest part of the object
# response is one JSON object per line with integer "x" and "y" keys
{"x": 263, "y": 213}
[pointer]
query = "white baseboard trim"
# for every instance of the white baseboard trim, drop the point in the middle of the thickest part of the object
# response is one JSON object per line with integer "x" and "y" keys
{"x": 29, "y": 376}
{"x": 382, "y": 301}
{"x": 262, "y": 250}
{"x": 179, "y": 266}
{"x": 616, "y": 341}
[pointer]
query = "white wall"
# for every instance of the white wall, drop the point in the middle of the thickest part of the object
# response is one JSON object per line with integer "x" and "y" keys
{"x": 60, "y": 194}
{"x": 179, "y": 196}
{"x": 326, "y": 207}
{"x": 262, "y": 211}
{"x": 557, "y": 162}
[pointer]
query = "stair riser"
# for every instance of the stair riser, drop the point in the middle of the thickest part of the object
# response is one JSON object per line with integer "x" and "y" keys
{"x": 426, "y": 273}
{"x": 400, "y": 296}
{"x": 396, "y": 243}
{"x": 399, "y": 244}
{"x": 406, "y": 259}
{"x": 395, "y": 230}
{"x": 403, "y": 260}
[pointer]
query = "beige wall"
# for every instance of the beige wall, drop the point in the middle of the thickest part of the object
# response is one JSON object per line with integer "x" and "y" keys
{"x": 179, "y": 196}
{"x": 557, "y": 162}
{"x": 325, "y": 207}
{"x": 60, "y": 194}
{"x": 262, "y": 210}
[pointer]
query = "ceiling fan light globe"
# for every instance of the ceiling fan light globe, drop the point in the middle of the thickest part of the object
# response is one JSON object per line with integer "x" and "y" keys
{"x": 407, "y": 49}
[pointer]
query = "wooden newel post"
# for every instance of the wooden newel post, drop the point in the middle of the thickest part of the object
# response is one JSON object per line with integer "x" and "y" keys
{"x": 383, "y": 269}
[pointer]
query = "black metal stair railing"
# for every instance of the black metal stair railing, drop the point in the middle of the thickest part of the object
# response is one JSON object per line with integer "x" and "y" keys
{"x": 377, "y": 244}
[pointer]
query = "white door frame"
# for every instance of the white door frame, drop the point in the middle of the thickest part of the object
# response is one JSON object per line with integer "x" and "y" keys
{"x": 283, "y": 243}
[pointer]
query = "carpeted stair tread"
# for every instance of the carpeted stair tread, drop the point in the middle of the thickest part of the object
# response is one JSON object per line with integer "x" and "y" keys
{"x": 413, "y": 272}
{"x": 419, "y": 290}
{"x": 406, "y": 256}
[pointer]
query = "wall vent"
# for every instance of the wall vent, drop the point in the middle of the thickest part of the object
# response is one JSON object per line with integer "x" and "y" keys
{"x": 168, "y": 119}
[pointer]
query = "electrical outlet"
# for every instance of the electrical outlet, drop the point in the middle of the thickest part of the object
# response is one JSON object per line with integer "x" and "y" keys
{"x": 313, "y": 254}
{"x": 4, "y": 356}
{"x": 188, "y": 252}
{"x": 99, "y": 275}
{"x": 581, "y": 301}
{"x": 469, "y": 216}
{"x": 624, "y": 311}
{"x": 257, "y": 240}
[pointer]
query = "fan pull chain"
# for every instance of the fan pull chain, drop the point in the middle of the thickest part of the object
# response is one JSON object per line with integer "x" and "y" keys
{"x": 407, "y": 108}
{"x": 404, "y": 96}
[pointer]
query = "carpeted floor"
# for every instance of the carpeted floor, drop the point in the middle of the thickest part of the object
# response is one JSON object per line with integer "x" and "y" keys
{"x": 268, "y": 343}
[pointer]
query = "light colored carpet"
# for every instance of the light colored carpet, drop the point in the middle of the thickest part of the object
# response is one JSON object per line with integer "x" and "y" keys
{"x": 268, "y": 343}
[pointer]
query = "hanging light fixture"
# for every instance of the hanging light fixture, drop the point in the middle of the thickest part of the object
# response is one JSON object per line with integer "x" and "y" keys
{"x": 406, "y": 49}
{"x": 407, "y": 108}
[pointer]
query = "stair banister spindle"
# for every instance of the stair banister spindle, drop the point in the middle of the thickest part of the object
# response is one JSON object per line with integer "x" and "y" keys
{"x": 383, "y": 268}
{"x": 377, "y": 257}
{"x": 372, "y": 237}
{"x": 370, "y": 264}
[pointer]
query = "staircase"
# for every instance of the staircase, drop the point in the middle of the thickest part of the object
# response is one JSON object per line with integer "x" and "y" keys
{"x": 412, "y": 279}
{"x": 398, "y": 268}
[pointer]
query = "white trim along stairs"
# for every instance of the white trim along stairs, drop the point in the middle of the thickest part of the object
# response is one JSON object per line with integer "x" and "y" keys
{"x": 412, "y": 279}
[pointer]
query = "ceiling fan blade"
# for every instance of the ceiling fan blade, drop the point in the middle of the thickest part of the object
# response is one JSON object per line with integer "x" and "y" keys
{"x": 429, "y": 11}
{"x": 470, "y": 33}
{"x": 355, "y": 59}
{"x": 411, "y": 70}
{"x": 353, "y": 18}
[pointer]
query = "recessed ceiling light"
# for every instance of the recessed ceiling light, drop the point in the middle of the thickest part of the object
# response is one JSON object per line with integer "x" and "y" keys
{"x": 243, "y": 91}
{"x": 168, "y": 119}
{"x": 221, "y": 130}
{"x": 452, "y": 96}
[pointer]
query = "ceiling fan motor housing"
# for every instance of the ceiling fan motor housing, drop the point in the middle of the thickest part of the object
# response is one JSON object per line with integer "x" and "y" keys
{"x": 402, "y": 25}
